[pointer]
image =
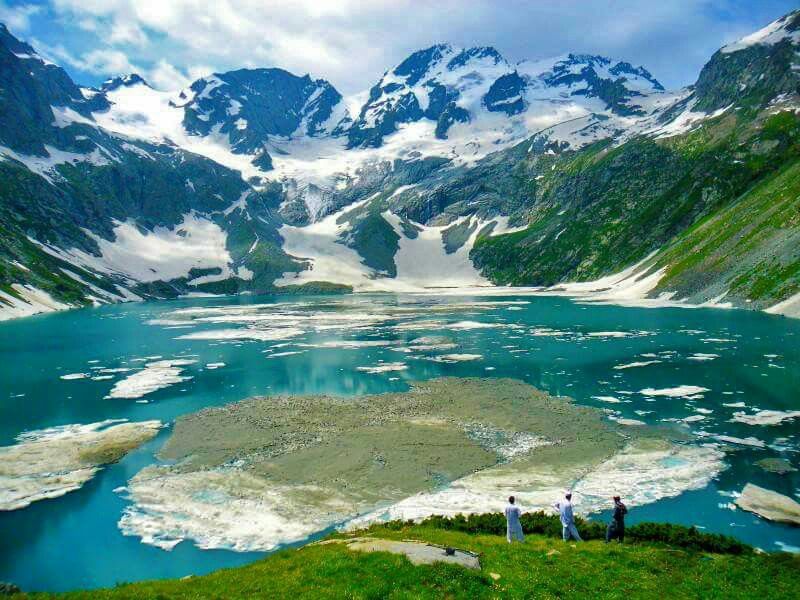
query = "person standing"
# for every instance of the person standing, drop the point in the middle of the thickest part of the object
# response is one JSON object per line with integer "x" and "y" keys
{"x": 568, "y": 529}
{"x": 513, "y": 526}
{"x": 616, "y": 529}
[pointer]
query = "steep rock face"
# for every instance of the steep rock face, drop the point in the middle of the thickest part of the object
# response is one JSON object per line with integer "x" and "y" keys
{"x": 754, "y": 70}
{"x": 249, "y": 105}
{"x": 87, "y": 216}
{"x": 30, "y": 87}
{"x": 505, "y": 95}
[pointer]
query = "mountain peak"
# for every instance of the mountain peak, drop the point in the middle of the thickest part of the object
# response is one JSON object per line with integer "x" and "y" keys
{"x": 475, "y": 53}
{"x": 785, "y": 28}
{"x": 129, "y": 80}
{"x": 581, "y": 69}
{"x": 13, "y": 44}
{"x": 418, "y": 63}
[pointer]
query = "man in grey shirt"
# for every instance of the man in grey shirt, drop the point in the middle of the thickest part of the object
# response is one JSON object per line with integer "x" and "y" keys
{"x": 568, "y": 529}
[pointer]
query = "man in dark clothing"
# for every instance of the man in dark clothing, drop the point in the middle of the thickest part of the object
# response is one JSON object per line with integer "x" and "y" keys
{"x": 616, "y": 529}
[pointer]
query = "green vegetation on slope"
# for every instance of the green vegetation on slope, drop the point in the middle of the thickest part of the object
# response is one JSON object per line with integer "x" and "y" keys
{"x": 750, "y": 249}
{"x": 542, "y": 567}
{"x": 602, "y": 208}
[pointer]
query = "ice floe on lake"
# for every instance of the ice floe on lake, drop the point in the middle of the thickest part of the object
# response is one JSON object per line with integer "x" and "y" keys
{"x": 765, "y": 417}
{"x": 264, "y": 335}
{"x": 224, "y": 508}
{"x": 454, "y": 358}
{"x": 702, "y": 356}
{"x": 49, "y": 463}
{"x": 155, "y": 376}
{"x": 383, "y": 368}
{"x": 748, "y": 441}
{"x": 644, "y": 474}
{"x": 681, "y": 391}
{"x": 636, "y": 364}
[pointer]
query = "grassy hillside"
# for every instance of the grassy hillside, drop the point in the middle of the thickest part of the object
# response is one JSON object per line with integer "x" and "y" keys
{"x": 542, "y": 567}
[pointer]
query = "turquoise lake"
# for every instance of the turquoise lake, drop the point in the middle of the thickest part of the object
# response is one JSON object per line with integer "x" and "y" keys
{"x": 725, "y": 361}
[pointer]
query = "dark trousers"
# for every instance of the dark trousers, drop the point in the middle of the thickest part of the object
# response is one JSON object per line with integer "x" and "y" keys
{"x": 616, "y": 530}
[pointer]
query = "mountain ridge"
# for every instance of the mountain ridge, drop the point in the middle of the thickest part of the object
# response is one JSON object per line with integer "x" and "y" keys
{"x": 456, "y": 155}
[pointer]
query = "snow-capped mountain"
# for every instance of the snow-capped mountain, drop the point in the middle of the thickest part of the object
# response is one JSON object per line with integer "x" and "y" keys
{"x": 250, "y": 105}
{"x": 454, "y": 161}
{"x": 465, "y": 103}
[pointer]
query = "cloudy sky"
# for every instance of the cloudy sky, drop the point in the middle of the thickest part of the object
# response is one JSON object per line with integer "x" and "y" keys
{"x": 351, "y": 43}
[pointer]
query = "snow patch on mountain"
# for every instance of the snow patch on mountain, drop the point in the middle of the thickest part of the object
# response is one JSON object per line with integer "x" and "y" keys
{"x": 28, "y": 301}
{"x": 158, "y": 255}
{"x": 140, "y": 112}
{"x": 787, "y": 27}
{"x": 45, "y": 165}
{"x": 422, "y": 262}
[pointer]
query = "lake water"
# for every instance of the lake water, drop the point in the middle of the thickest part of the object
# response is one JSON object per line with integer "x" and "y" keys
{"x": 747, "y": 362}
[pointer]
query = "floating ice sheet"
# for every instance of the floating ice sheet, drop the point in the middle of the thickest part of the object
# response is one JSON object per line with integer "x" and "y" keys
{"x": 155, "y": 376}
{"x": 49, "y": 463}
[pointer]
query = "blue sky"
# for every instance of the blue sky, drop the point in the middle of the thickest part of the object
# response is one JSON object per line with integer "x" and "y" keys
{"x": 351, "y": 42}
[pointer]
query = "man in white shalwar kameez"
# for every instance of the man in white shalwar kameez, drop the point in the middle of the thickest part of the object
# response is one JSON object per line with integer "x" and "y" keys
{"x": 568, "y": 529}
{"x": 513, "y": 526}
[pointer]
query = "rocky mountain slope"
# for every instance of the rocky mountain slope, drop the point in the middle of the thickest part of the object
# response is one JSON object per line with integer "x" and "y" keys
{"x": 456, "y": 169}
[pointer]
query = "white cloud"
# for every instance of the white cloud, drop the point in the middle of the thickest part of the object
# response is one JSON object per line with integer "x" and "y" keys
{"x": 127, "y": 32}
{"x": 109, "y": 62}
{"x": 165, "y": 76}
{"x": 351, "y": 42}
{"x": 106, "y": 62}
{"x": 18, "y": 18}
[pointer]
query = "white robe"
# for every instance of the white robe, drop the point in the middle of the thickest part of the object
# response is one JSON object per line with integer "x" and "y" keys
{"x": 513, "y": 526}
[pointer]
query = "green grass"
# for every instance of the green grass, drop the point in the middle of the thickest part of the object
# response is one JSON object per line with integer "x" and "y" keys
{"x": 542, "y": 567}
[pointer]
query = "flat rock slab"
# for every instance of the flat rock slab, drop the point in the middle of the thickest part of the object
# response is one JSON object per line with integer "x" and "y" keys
{"x": 419, "y": 553}
{"x": 770, "y": 505}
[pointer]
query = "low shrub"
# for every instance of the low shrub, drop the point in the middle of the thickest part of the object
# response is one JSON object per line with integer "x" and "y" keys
{"x": 549, "y": 525}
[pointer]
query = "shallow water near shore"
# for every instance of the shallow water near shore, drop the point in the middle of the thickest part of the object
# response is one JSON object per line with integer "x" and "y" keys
{"x": 715, "y": 373}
